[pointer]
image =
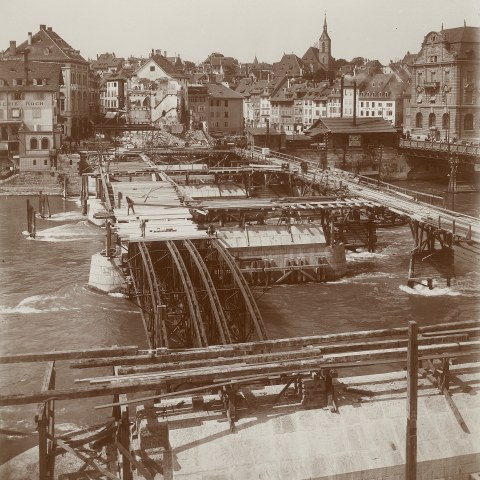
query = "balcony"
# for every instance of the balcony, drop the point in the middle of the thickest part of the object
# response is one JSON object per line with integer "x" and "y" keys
{"x": 431, "y": 85}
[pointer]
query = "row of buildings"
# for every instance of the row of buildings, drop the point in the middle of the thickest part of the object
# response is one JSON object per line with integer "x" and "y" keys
{"x": 49, "y": 92}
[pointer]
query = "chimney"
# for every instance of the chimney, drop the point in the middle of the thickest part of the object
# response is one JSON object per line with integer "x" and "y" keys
{"x": 13, "y": 47}
{"x": 29, "y": 38}
{"x": 49, "y": 29}
{"x": 42, "y": 27}
{"x": 153, "y": 52}
{"x": 165, "y": 53}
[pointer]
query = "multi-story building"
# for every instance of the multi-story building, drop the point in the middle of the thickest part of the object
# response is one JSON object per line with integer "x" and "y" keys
{"x": 445, "y": 97}
{"x": 106, "y": 64}
{"x": 76, "y": 101}
{"x": 225, "y": 110}
{"x": 156, "y": 93}
{"x": 382, "y": 96}
{"x": 29, "y": 100}
{"x": 112, "y": 92}
{"x": 217, "y": 108}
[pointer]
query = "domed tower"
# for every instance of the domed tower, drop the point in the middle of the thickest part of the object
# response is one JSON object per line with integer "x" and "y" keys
{"x": 325, "y": 47}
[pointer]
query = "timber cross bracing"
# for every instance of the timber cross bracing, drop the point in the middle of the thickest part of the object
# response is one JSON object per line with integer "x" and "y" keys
{"x": 191, "y": 293}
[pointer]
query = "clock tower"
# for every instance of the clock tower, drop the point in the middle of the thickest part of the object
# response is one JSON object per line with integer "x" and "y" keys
{"x": 325, "y": 47}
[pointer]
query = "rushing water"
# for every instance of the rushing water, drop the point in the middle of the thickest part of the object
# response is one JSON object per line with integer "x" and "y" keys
{"x": 45, "y": 304}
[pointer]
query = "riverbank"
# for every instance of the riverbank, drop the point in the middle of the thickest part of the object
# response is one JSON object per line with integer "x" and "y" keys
{"x": 49, "y": 183}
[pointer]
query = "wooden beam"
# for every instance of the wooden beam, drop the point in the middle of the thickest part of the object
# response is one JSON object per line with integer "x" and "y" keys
{"x": 227, "y": 373}
{"x": 260, "y": 347}
{"x": 68, "y": 354}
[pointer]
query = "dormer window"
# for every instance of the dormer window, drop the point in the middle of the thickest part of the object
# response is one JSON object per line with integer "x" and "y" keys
{"x": 152, "y": 68}
{"x": 373, "y": 84}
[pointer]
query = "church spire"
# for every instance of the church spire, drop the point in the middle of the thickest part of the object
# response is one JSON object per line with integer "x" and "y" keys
{"x": 325, "y": 22}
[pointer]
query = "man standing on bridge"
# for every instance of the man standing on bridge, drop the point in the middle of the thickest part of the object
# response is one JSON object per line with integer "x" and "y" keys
{"x": 130, "y": 205}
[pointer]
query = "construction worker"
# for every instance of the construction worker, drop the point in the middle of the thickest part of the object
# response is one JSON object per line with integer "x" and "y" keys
{"x": 130, "y": 205}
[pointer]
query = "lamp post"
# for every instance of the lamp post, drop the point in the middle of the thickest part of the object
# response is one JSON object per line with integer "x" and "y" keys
{"x": 452, "y": 184}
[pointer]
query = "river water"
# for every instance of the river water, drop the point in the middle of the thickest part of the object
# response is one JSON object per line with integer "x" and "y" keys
{"x": 45, "y": 303}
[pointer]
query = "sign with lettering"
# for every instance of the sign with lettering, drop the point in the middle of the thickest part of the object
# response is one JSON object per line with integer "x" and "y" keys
{"x": 23, "y": 103}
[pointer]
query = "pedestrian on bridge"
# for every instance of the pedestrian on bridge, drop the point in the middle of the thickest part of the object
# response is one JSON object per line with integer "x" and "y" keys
{"x": 130, "y": 205}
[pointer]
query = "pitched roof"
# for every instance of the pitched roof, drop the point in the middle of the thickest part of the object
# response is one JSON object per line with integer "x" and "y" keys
{"x": 217, "y": 90}
{"x": 107, "y": 60}
{"x": 164, "y": 64}
{"x": 345, "y": 125}
{"x": 14, "y": 69}
{"x": 290, "y": 64}
{"x": 48, "y": 46}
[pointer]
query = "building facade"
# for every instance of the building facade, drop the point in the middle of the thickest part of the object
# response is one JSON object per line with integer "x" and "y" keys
{"x": 29, "y": 111}
{"x": 76, "y": 94}
{"x": 445, "y": 99}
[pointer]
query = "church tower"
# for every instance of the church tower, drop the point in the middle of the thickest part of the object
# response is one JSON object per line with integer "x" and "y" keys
{"x": 325, "y": 47}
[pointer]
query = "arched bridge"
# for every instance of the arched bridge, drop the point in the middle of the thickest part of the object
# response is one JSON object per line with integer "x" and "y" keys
{"x": 191, "y": 294}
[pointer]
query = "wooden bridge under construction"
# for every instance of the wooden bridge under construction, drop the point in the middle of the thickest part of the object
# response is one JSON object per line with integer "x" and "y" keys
{"x": 206, "y": 226}
{"x": 189, "y": 236}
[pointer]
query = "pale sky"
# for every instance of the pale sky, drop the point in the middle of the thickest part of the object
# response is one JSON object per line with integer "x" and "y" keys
{"x": 374, "y": 29}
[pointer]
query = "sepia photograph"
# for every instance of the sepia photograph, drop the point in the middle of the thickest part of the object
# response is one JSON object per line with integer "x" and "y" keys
{"x": 240, "y": 240}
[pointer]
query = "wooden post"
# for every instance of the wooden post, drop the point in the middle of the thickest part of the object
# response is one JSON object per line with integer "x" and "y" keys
{"x": 108, "y": 238}
{"x": 34, "y": 223}
{"x": 412, "y": 387}
{"x": 29, "y": 222}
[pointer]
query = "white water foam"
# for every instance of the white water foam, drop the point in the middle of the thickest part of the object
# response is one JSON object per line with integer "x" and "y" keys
{"x": 424, "y": 291}
{"x": 363, "y": 255}
{"x": 65, "y": 233}
{"x": 117, "y": 295}
{"x": 65, "y": 217}
{"x": 37, "y": 304}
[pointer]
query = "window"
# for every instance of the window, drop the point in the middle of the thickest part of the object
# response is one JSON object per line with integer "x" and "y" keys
{"x": 447, "y": 77}
{"x": 33, "y": 144}
{"x": 226, "y": 114}
{"x": 445, "y": 121}
{"x": 419, "y": 78}
{"x": 226, "y": 103}
{"x": 34, "y": 162}
{"x": 361, "y": 104}
{"x": 18, "y": 96}
{"x": 468, "y": 121}
{"x": 212, "y": 114}
{"x": 367, "y": 114}
{"x": 152, "y": 68}
{"x": 419, "y": 120}
{"x": 373, "y": 104}
{"x": 225, "y": 124}
{"x": 432, "y": 120}
{"x": 45, "y": 162}
{"x": 44, "y": 143}
{"x": 16, "y": 113}
{"x": 433, "y": 75}
{"x": 323, "y": 47}
{"x": 39, "y": 95}
{"x": 218, "y": 103}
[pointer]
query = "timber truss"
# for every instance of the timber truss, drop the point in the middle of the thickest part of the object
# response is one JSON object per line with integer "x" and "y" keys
{"x": 191, "y": 294}
{"x": 433, "y": 255}
{"x": 350, "y": 221}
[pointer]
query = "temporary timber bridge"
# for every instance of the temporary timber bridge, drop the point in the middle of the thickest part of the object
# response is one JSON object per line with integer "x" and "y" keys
{"x": 181, "y": 388}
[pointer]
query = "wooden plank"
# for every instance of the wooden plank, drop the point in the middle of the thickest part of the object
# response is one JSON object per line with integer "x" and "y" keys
{"x": 468, "y": 331}
{"x": 68, "y": 354}
{"x": 261, "y": 346}
{"x": 230, "y": 373}
{"x": 262, "y": 358}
